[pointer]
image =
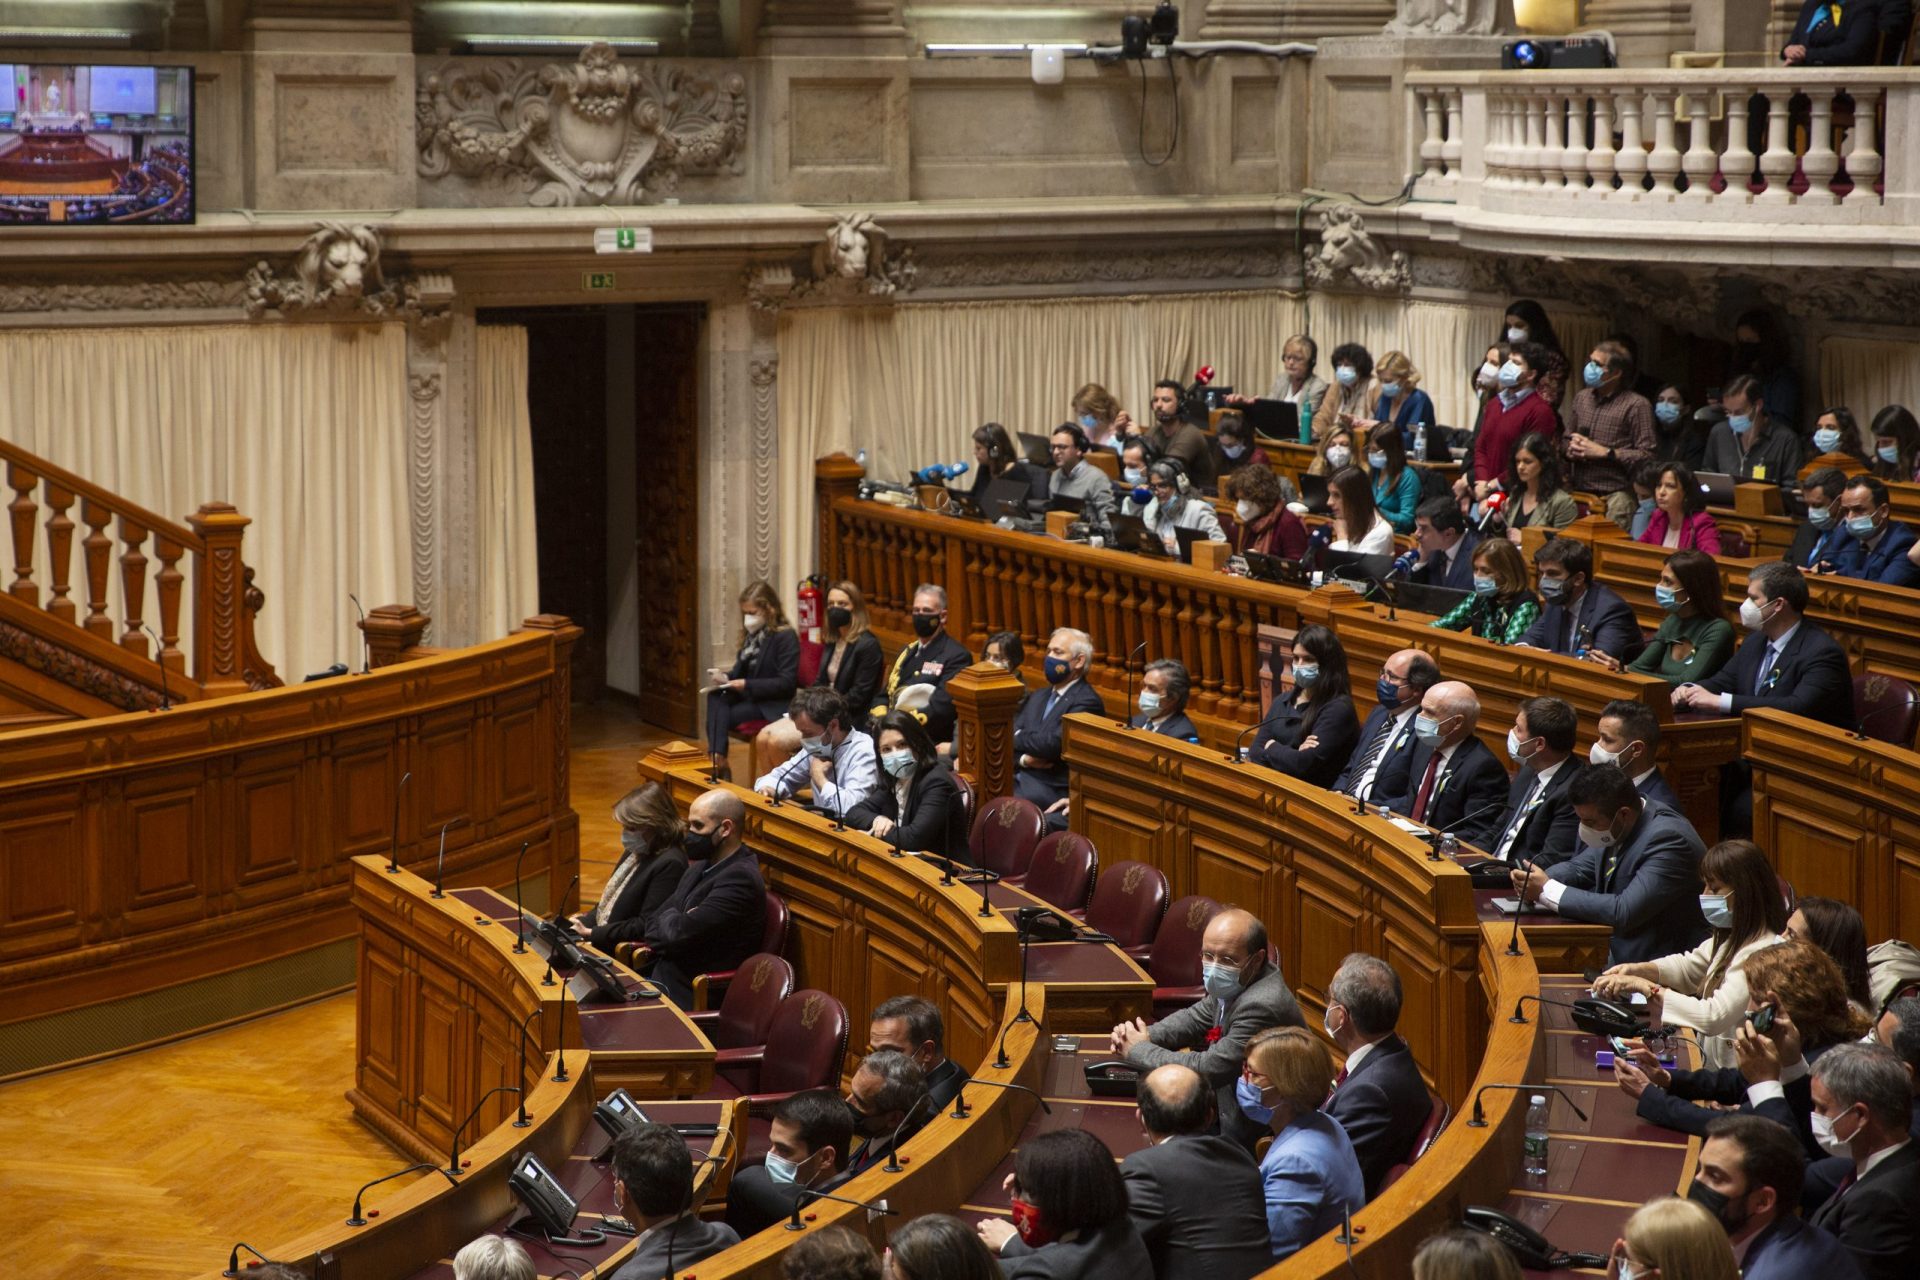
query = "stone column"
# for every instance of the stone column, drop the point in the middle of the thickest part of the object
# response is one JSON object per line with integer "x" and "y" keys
{"x": 739, "y": 465}
{"x": 457, "y": 572}
{"x": 985, "y": 700}
{"x": 428, "y": 380}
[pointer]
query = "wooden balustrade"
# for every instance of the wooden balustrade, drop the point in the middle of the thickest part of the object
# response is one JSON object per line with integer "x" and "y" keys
{"x": 137, "y": 554}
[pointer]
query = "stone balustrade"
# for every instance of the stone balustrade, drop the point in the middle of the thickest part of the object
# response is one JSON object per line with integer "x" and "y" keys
{"x": 1712, "y": 146}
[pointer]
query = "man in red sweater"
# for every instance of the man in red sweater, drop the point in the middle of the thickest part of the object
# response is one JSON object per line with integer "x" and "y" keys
{"x": 1509, "y": 415}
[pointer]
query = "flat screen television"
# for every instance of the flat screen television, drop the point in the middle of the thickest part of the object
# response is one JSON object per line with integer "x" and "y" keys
{"x": 95, "y": 145}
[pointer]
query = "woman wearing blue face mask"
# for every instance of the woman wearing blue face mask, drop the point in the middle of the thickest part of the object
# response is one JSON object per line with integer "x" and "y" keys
{"x": 1837, "y": 432}
{"x": 1706, "y": 988}
{"x": 917, "y": 806}
{"x": 1402, "y": 404}
{"x": 1677, "y": 436}
{"x": 1396, "y": 486}
{"x": 1527, "y": 321}
{"x": 1896, "y": 444}
{"x": 1100, "y": 416}
{"x": 647, "y": 873}
{"x": 1501, "y": 608}
{"x": 1695, "y": 639}
{"x": 1310, "y": 1175}
{"x": 1310, "y": 732}
{"x": 1233, "y": 446}
{"x": 1353, "y": 393}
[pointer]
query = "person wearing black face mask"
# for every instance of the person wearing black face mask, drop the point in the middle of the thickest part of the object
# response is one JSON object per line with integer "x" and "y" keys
{"x": 714, "y": 919}
{"x": 1387, "y": 739}
{"x": 851, "y": 666}
{"x": 1749, "y": 1177}
{"x": 649, "y": 870}
{"x": 920, "y": 674}
{"x": 885, "y": 1088}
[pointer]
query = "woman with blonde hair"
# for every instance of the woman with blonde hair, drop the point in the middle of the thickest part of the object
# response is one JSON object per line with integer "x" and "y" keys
{"x": 1461, "y": 1254}
{"x": 765, "y": 672}
{"x": 1310, "y": 1175}
{"x": 851, "y": 663}
{"x": 1672, "y": 1239}
{"x": 1402, "y": 404}
{"x": 1100, "y": 416}
{"x": 651, "y": 860}
{"x": 1334, "y": 451}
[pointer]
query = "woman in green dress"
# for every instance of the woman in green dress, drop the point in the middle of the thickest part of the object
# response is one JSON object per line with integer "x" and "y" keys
{"x": 1501, "y": 607}
{"x": 1694, "y": 639}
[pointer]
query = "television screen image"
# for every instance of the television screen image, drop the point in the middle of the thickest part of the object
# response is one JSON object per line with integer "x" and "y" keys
{"x": 95, "y": 145}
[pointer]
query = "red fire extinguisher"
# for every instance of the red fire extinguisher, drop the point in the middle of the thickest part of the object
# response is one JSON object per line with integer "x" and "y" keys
{"x": 808, "y": 615}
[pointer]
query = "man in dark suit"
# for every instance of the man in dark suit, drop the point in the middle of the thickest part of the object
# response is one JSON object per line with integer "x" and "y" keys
{"x": 1386, "y": 739}
{"x": 1539, "y": 823}
{"x": 1452, "y": 782}
{"x": 912, "y": 1025}
{"x": 1195, "y": 1196}
{"x": 1163, "y": 701}
{"x": 1863, "y": 1107}
{"x": 810, "y": 1135}
{"x": 1041, "y": 774}
{"x": 1629, "y": 735}
{"x": 931, "y": 660}
{"x": 715, "y": 918}
{"x": 1579, "y": 615}
{"x": 1378, "y": 1097}
{"x": 1749, "y": 1178}
{"x": 1446, "y": 545}
{"x": 653, "y": 1184}
{"x": 1873, "y": 545}
{"x": 886, "y": 1088}
{"x": 1820, "y": 534}
{"x": 1246, "y": 993}
{"x": 1637, "y": 870}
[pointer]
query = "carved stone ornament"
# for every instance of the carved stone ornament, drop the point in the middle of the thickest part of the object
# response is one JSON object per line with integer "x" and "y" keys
{"x": 1443, "y": 18}
{"x": 179, "y": 294}
{"x": 597, "y": 132}
{"x": 337, "y": 271}
{"x": 856, "y": 258}
{"x": 1255, "y": 265}
{"x": 1350, "y": 255}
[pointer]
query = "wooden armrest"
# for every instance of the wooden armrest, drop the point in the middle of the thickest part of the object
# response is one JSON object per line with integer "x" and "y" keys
{"x": 761, "y": 1105}
{"x": 703, "y": 1017}
{"x": 1141, "y": 954}
{"x": 740, "y": 1057}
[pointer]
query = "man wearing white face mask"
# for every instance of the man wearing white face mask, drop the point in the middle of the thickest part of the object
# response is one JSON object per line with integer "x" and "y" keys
{"x": 810, "y": 1135}
{"x": 1246, "y": 993}
{"x": 1637, "y": 870}
{"x": 1539, "y": 823}
{"x": 1629, "y": 735}
{"x": 1862, "y": 1109}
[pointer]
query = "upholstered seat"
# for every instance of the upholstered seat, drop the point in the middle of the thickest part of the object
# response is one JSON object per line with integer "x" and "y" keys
{"x": 1062, "y": 870}
{"x": 1423, "y": 1141}
{"x": 1173, "y": 962}
{"x": 1004, "y": 835}
{"x": 753, "y": 997}
{"x": 1886, "y": 708}
{"x": 806, "y": 1043}
{"x": 1128, "y": 901}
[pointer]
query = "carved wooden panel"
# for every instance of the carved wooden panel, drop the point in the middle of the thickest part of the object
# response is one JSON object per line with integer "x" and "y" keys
{"x": 40, "y": 872}
{"x": 363, "y": 781}
{"x": 381, "y": 1008}
{"x": 810, "y": 939}
{"x": 164, "y": 829}
{"x": 520, "y": 747}
{"x": 270, "y": 826}
{"x": 667, "y": 352}
{"x": 441, "y": 1074}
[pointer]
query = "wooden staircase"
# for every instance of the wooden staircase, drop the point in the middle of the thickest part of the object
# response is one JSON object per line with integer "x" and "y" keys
{"x": 56, "y": 664}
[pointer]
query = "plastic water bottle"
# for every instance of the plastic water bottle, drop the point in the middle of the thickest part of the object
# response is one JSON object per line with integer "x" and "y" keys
{"x": 1306, "y": 423}
{"x": 1535, "y": 1159}
{"x": 1420, "y": 440}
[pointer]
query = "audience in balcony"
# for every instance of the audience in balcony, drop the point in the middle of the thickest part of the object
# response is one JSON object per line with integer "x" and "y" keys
{"x": 1611, "y": 428}
{"x": 1100, "y": 416}
{"x": 1680, "y": 519}
{"x": 1695, "y": 639}
{"x": 1233, "y": 446}
{"x": 1836, "y": 432}
{"x": 1077, "y": 480}
{"x": 1646, "y": 478}
{"x": 1752, "y": 444}
{"x": 996, "y": 458}
{"x": 1356, "y": 525}
{"x": 1298, "y": 383}
{"x": 1896, "y": 444}
{"x": 1500, "y": 608}
{"x": 1175, "y": 438}
{"x": 1310, "y": 1173}
{"x": 1164, "y": 687}
{"x": 1834, "y": 35}
{"x": 1402, "y": 405}
{"x": 1354, "y": 393}
{"x": 1679, "y": 435}
{"x": 1763, "y": 350}
{"x": 1172, "y": 505}
{"x": 1134, "y": 458}
{"x": 1396, "y": 486}
{"x": 1537, "y": 497}
{"x": 1580, "y": 617}
{"x": 1331, "y": 451}
{"x": 1310, "y": 731}
{"x": 1872, "y": 545}
{"x": 1526, "y": 322}
{"x": 1515, "y": 410}
{"x": 1262, "y": 523}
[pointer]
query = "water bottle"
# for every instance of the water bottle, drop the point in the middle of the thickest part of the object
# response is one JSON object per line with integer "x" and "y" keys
{"x": 1306, "y": 423}
{"x": 1535, "y": 1159}
{"x": 1420, "y": 440}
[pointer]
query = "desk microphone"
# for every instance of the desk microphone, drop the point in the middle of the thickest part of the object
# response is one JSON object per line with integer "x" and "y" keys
{"x": 393, "y": 852}
{"x": 233, "y": 1259}
{"x": 1479, "y": 1120}
{"x": 893, "y": 1164}
{"x": 1860, "y": 728}
{"x": 1592, "y": 1015}
{"x": 1434, "y": 836}
{"x": 166, "y": 703}
{"x": 559, "y": 904}
{"x": 808, "y": 1196}
{"x": 523, "y": 1120}
{"x": 1126, "y": 714}
{"x": 453, "y": 1160}
{"x": 357, "y": 1221}
{"x": 366, "y": 643}
{"x": 440, "y": 864}
{"x": 560, "y": 1075}
{"x": 960, "y": 1112}
{"x": 1513, "y": 942}
{"x": 519, "y": 908}
{"x": 1240, "y": 742}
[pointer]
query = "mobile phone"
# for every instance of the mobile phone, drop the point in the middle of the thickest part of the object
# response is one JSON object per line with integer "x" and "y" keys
{"x": 1621, "y": 1048}
{"x": 1762, "y": 1018}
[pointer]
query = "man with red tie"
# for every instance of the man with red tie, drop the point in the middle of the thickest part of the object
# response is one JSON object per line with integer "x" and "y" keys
{"x": 1452, "y": 782}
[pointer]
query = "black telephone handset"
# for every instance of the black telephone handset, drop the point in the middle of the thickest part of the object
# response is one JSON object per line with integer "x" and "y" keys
{"x": 546, "y": 1201}
{"x": 1115, "y": 1079}
{"x": 1533, "y": 1251}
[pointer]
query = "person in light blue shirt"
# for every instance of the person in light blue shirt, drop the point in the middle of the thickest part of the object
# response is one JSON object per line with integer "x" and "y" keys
{"x": 1310, "y": 1175}
{"x": 836, "y": 760}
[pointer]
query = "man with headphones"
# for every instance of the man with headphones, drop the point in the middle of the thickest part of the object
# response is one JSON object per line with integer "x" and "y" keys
{"x": 1075, "y": 478}
{"x": 1172, "y": 437}
{"x": 1168, "y": 503}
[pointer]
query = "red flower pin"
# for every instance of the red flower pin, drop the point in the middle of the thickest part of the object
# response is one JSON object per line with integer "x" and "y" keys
{"x": 1213, "y": 1035}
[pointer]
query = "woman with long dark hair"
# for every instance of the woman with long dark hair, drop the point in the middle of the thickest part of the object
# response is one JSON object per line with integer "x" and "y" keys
{"x": 917, "y": 807}
{"x": 651, "y": 860}
{"x": 1070, "y": 1219}
{"x": 1680, "y": 518}
{"x": 1695, "y": 639}
{"x": 1310, "y": 733}
{"x": 1527, "y": 321}
{"x": 1537, "y": 494}
{"x": 1837, "y": 929}
{"x": 1356, "y": 524}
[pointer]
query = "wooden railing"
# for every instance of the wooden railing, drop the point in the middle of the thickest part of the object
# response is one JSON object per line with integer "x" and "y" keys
{"x": 131, "y": 577}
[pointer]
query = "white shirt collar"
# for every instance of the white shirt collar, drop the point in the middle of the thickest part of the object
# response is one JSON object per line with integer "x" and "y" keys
{"x": 1547, "y": 773}
{"x": 1867, "y": 1166}
{"x": 1354, "y": 1059}
{"x": 1640, "y": 779}
{"x": 1780, "y": 645}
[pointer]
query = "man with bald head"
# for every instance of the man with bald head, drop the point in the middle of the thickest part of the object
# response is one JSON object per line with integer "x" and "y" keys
{"x": 715, "y": 917}
{"x": 1452, "y": 781}
{"x": 1386, "y": 739}
{"x": 1194, "y": 1196}
{"x": 1246, "y": 993}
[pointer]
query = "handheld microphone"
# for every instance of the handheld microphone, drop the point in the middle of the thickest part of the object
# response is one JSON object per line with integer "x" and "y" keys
{"x": 523, "y": 1120}
{"x": 808, "y": 1196}
{"x": 1479, "y": 1120}
{"x": 1204, "y": 375}
{"x": 1490, "y": 510}
{"x": 1241, "y": 742}
{"x": 393, "y": 855}
{"x": 519, "y": 908}
{"x": 941, "y": 471}
{"x": 233, "y": 1259}
{"x": 1592, "y": 1015}
{"x": 453, "y": 1160}
{"x": 166, "y": 703}
{"x": 1126, "y": 714}
{"x": 893, "y": 1164}
{"x": 366, "y": 644}
{"x": 1404, "y": 566}
{"x": 440, "y": 864}
{"x": 357, "y": 1221}
{"x": 960, "y": 1112}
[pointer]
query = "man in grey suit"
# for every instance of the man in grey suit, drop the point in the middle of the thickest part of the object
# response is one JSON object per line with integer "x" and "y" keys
{"x": 653, "y": 1181}
{"x": 1637, "y": 870}
{"x": 1246, "y": 993}
{"x": 1195, "y": 1197}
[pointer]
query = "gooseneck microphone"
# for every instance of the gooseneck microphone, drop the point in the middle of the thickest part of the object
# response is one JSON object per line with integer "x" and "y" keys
{"x": 1592, "y": 1015}
{"x": 453, "y": 1159}
{"x": 166, "y": 703}
{"x": 560, "y": 1076}
{"x": 393, "y": 853}
{"x": 1513, "y": 942}
{"x": 1433, "y": 854}
{"x": 1126, "y": 713}
{"x": 960, "y": 1112}
{"x": 808, "y": 1196}
{"x": 519, "y": 908}
{"x": 523, "y": 1121}
{"x": 440, "y": 863}
{"x": 1479, "y": 1120}
{"x": 233, "y": 1258}
{"x": 366, "y": 645}
{"x": 1234, "y": 756}
{"x": 893, "y": 1164}
{"x": 355, "y": 1220}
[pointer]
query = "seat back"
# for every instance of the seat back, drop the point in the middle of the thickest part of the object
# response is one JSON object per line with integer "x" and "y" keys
{"x": 1736, "y": 540}
{"x": 806, "y": 1044}
{"x": 1888, "y": 709}
{"x": 1128, "y": 900}
{"x": 773, "y": 930}
{"x": 753, "y": 997}
{"x": 963, "y": 785}
{"x": 1004, "y": 835}
{"x": 1175, "y": 961}
{"x": 1435, "y": 1124}
{"x": 1062, "y": 870}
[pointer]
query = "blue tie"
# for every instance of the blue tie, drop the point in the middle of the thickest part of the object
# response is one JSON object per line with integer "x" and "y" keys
{"x": 1766, "y": 669}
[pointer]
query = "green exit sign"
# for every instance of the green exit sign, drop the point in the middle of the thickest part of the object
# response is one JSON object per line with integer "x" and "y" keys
{"x": 599, "y": 280}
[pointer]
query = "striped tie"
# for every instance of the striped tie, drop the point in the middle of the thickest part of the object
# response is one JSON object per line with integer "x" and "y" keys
{"x": 1375, "y": 749}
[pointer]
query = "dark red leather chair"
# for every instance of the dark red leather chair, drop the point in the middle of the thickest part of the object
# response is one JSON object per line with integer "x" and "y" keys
{"x": 1787, "y": 895}
{"x": 1173, "y": 962}
{"x": 773, "y": 940}
{"x": 1062, "y": 870}
{"x": 1004, "y": 835}
{"x": 805, "y": 1045}
{"x": 1128, "y": 901}
{"x": 968, "y": 797}
{"x": 753, "y": 997}
{"x": 1886, "y": 708}
{"x": 1436, "y": 1124}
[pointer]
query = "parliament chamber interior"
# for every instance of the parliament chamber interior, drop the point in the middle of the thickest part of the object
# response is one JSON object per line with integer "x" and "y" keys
{"x": 838, "y": 639}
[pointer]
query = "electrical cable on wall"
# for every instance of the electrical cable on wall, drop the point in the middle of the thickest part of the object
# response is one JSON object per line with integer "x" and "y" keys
{"x": 1173, "y": 141}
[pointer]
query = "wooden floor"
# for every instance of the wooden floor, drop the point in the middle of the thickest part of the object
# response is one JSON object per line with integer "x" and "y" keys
{"x": 154, "y": 1164}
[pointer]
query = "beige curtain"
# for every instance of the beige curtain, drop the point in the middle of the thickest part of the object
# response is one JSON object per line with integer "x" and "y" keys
{"x": 508, "y": 561}
{"x": 301, "y": 427}
{"x": 1866, "y": 375}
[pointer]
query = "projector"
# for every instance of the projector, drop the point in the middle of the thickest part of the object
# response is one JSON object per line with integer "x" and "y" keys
{"x": 1575, "y": 53}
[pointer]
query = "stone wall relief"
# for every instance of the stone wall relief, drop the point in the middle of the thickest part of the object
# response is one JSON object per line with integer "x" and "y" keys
{"x": 1349, "y": 254}
{"x": 1443, "y": 18}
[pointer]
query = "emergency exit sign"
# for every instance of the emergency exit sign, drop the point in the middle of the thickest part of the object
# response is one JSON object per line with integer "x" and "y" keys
{"x": 597, "y": 281}
{"x": 623, "y": 240}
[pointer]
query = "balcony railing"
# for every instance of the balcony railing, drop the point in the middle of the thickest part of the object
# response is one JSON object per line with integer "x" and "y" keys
{"x": 1752, "y": 146}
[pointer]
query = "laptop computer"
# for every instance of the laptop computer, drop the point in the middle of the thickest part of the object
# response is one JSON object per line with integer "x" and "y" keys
{"x": 1130, "y": 533}
{"x": 1276, "y": 569}
{"x": 1354, "y": 566}
{"x": 960, "y": 503}
{"x": 1423, "y": 597}
{"x": 1186, "y": 538}
{"x": 1061, "y": 502}
{"x": 1002, "y": 494}
{"x": 1313, "y": 493}
{"x": 1717, "y": 487}
{"x": 1273, "y": 419}
{"x": 1038, "y": 450}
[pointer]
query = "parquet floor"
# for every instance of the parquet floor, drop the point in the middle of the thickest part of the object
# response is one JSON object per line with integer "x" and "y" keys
{"x": 150, "y": 1166}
